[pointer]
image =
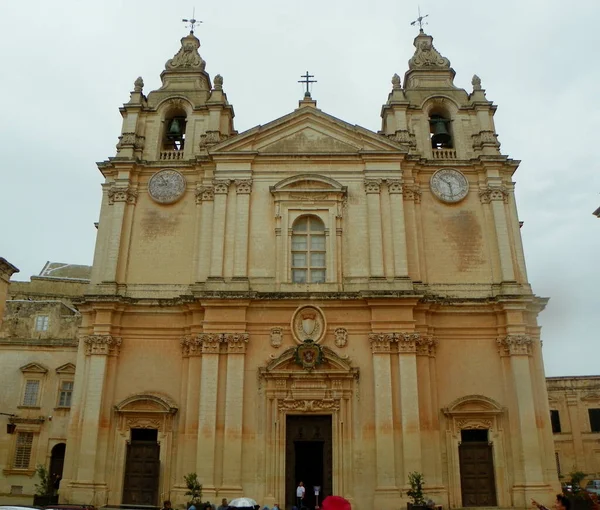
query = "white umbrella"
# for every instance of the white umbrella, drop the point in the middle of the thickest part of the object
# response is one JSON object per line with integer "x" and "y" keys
{"x": 243, "y": 503}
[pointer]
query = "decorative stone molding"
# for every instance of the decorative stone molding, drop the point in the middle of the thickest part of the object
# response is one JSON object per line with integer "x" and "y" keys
{"x": 143, "y": 423}
{"x": 407, "y": 342}
{"x": 485, "y": 139}
{"x": 122, "y": 194}
{"x": 341, "y": 337}
{"x": 515, "y": 345}
{"x": 221, "y": 186}
{"x": 187, "y": 58}
{"x": 379, "y": 343}
{"x": 309, "y": 406}
{"x": 211, "y": 138}
{"x": 204, "y": 193}
{"x": 190, "y": 346}
{"x": 405, "y": 138}
{"x": 308, "y": 323}
{"x": 130, "y": 139}
{"x": 394, "y": 186}
{"x": 474, "y": 423}
{"x": 243, "y": 186}
{"x": 372, "y": 186}
{"x": 211, "y": 343}
{"x": 412, "y": 193}
{"x": 236, "y": 342}
{"x": 106, "y": 345}
{"x": 426, "y": 56}
{"x": 276, "y": 337}
{"x": 490, "y": 194}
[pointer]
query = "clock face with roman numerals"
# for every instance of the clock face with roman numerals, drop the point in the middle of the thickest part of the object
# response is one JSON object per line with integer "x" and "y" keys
{"x": 166, "y": 186}
{"x": 449, "y": 185}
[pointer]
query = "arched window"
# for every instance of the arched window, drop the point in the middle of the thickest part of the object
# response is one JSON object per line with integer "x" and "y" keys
{"x": 308, "y": 250}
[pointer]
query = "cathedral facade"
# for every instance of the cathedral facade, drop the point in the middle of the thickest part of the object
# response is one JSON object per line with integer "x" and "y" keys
{"x": 309, "y": 300}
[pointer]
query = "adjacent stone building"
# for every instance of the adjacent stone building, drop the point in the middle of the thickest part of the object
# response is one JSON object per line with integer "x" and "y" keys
{"x": 306, "y": 300}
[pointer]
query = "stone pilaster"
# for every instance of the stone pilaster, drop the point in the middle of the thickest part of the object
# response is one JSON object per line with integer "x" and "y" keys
{"x": 385, "y": 468}
{"x": 221, "y": 190}
{"x": 373, "y": 191}
{"x": 240, "y": 261}
{"x": 398, "y": 228}
{"x": 205, "y": 197}
{"x": 411, "y": 194}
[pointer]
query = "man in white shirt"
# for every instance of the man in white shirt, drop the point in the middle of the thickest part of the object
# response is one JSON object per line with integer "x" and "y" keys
{"x": 300, "y": 491}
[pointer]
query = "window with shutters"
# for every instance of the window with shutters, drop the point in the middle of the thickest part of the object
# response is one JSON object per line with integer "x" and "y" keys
{"x": 31, "y": 393}
{"x": 23, "y": 450}
{"x": 308, "y": 250}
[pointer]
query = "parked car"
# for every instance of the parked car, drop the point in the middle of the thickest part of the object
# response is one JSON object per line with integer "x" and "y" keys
{"x": 593, "y": 487}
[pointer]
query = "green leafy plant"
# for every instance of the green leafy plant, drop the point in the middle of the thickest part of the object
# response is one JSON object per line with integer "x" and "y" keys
{"x": 416, "y": 482}
{"x": 574, "y": 481}
{"x": 194, "y": 488}
{"x": 45, "y": 486}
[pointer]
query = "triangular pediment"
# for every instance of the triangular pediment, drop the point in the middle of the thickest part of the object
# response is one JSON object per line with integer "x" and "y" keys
{"x": 307, "y": 131}
{"x": 34, "y": 368}
{"x": 67, "y": 368}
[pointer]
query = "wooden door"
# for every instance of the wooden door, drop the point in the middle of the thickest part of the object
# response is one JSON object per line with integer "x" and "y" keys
{"x": 477, "y": 474}
{"x": 141, "y": 473}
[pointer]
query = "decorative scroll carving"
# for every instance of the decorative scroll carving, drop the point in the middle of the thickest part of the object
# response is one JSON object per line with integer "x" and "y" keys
{"x": 131, "y": 140}
{"x": 406, "y": 342}
{"x": 394, "y": 186}
{"x": 210, "y": 343}
{"x": 405, "y": 138}
{"x": 372, "y": 186}
{"x": 515, "y": 345}
{"x": 276, "y": 337}
{"x": 341, "y": 337}
{"x": 309, "y": 406}
{"x": 412, "y": 193}
{"x": 122, "y": 194}
{"x": 485, "y": 138}
{"x": 474, "y": 423}
{"x": 426, "y": 56}
{"x": 211, "y": 138}
{"x": 143, "y": 423}
{"x": 236, "y": 342}
{"x": 187, "y": 57}
{"x": 204, "y": 193}
{"x": 221, "y": 186}
{"x": 243, "y": 186}
{"x": 102, "y": 344}
{"x": 489, "y": 194}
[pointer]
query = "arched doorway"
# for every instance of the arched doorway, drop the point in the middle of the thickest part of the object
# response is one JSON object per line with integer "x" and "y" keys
{"x": 57, "y": 461}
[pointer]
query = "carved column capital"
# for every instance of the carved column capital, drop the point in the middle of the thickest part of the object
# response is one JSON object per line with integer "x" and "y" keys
{"x": 221, "y": 186}
{"x": 106, "y": 345}
{"x": 235, "y": 342}
{"x": 204, "y": 193}
{"x": 372, "y": 186}
{"x": 485, "y": 138}
{"x": 492, "y": 194}
{"x": 412, "y": 193}
{"x": 243, "y": 186}
{"x": 131, "y": 140}
{"x": 380, "y": 343}
{"x": 209, "y": 343}
{"x": 394, "y": 186}
{"x": 407, "y": 342}
{"x": 426, "y": 346}
{"x": 122, "y": 194}
{"x": 515, "y": 345}
{"x": 190, "y": 346}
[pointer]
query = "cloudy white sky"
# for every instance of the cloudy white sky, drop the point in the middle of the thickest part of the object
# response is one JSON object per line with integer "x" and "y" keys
{"x": 68, "y": 65}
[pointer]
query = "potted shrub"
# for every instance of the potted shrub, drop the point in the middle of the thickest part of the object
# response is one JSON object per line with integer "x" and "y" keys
{"x": 194, "y": 490}
{"x": 44, "y": 490}
{"x": 415, "y": 493}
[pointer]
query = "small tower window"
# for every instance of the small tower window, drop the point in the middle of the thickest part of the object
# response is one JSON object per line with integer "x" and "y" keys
{"x": 174, "y": 139}
{"x": 439, "y": 131}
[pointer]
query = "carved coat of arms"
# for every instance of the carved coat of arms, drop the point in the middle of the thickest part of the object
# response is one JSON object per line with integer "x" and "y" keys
{"x": 308, "y": 323}
{"x": 309, "y": 355}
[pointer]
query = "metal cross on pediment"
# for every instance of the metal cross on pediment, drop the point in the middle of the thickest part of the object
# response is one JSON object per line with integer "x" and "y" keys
{"x": 307, "y": 81}
{"x": 420, "y": 21}
{"x": 192, "y": 21}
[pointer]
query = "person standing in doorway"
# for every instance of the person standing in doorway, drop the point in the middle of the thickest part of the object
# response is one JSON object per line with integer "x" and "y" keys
{"x": 300, "y": 491}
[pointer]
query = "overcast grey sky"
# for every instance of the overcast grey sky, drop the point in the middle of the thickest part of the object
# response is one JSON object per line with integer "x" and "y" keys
{"x": 67, "y": 66}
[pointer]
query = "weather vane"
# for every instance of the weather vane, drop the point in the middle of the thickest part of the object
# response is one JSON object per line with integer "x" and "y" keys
{"x": 192, "y": 21}
{"x": 307, "y": 81}
{"x": 420, "y": 20}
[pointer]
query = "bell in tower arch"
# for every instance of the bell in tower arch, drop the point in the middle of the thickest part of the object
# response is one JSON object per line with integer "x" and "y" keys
{"x": 175, "y": 128}
{"x": 440, "y": 136}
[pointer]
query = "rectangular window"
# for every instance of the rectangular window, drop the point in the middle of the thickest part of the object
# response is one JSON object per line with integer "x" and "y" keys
{"x": 23, "y": 451}
{"x": 594, "y": 419}
{"x": 65, "y": 394}
{"x": 555, "y": 420}
{"x": 30, "y": 397}
{"x": 41, "y": 323}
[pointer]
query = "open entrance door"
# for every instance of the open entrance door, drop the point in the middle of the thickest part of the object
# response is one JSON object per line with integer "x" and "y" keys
{"x": 308, "y": 458}
{"x": 476, "y": 469}
{"x": 142, "y": 468}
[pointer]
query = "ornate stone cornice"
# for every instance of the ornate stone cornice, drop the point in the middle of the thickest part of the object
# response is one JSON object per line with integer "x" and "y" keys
{"x": 212, "y": 343}
{"x": 204, "y": 193}
{"x": 515, "y": 345}
{"x": 309, "y": 405}
{"x": 221, "y": 186}
{"x": 107, "y": 345}
{"x": 485, "y": 138}
{"x": 132, "y": 140}
{"x": 412, "y": 193}
{"x": 122, "y": 194}
{"x": 492, "y": 194}
{"x": 243, "y": 186}
{"x": 394, "y": 186}
{"x": 372, "y": 186}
